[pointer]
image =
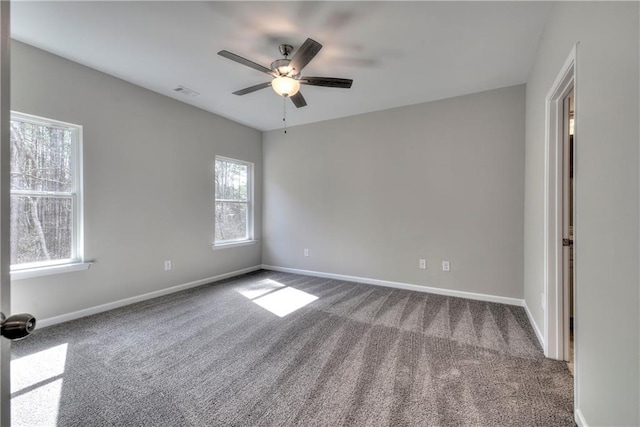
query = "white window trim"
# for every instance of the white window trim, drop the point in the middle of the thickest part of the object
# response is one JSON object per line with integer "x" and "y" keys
{"x": 28, "y": 273}
{"x": 233, "y": 244}
{"x": 223, "y": 244}
{"x": 76, "y": 262}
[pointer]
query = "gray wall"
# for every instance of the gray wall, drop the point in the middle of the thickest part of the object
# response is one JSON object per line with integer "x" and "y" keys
{"x": 607, "y": 190}
{"x": 148, "y": 184}
{"x": 371, "y": 194}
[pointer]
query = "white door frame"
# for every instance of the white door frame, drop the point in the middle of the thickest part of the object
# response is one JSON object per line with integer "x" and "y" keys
{"x": 554, "y": 318}
{"x": 5, "y": 286}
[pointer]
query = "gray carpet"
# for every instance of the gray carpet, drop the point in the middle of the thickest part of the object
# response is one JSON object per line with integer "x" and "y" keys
{"x": 357, "y": 355}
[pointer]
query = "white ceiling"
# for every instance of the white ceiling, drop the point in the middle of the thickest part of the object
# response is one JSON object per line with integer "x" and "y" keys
{"x": 397, "y": 53}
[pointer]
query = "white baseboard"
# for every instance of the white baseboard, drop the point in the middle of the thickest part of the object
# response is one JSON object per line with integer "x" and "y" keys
{"x": 132, "y": 300}
{"x": 400, "y": 285}
{"x": 534, "y": 324}
{"x": 580, "y": 419}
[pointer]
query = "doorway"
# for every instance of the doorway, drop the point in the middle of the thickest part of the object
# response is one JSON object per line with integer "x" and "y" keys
{"x": 560, "y": 312}
{"x": 568, "y": 213}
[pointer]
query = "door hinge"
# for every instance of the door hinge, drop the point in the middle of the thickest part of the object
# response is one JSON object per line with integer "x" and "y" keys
{"x": 567, "y": 242}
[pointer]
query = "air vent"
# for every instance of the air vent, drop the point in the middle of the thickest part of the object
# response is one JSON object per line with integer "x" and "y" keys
{"x": 186, "y": 91}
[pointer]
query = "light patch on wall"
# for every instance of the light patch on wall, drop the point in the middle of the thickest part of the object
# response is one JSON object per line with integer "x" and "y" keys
{"x": 37, "y": 378}
{"x": 279, "y": 299}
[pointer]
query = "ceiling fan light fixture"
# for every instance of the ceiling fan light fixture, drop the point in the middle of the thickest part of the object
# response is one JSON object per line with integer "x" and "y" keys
{"x": 285, "y": 86}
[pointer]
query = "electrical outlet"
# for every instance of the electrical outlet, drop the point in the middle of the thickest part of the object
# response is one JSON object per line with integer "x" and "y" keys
{"x": 306, "y": 252}
{"x": 422, "y": 263}
{"x": 167, "y": 265}
{"x": 446, "y": 266}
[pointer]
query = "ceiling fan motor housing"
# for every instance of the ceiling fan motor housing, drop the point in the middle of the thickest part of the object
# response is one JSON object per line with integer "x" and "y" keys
{"x": 283, "y": 68}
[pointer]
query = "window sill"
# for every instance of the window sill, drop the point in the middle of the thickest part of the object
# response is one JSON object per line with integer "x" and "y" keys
{"x": 233, "y": 244}
{"x": 49, "y": 270}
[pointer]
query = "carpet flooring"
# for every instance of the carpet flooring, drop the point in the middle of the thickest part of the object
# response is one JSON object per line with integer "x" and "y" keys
{"x": 276, "y": 349}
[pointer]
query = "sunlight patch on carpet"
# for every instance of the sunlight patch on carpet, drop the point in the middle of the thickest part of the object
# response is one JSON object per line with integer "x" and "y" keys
{"x": 285, "y": 301}
{"x": 276, "y": 297}
{"x": 37, "y": 378}
{"x": 257, "y": 289}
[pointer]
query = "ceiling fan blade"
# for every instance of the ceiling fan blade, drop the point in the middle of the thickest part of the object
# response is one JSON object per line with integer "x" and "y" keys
{"x": 244, "y": 61}
{"x": 298, "y": 100}
{"x": 327, "y": 81}
{"x": 305, "y": 54}
{"x": 252, "y": 88}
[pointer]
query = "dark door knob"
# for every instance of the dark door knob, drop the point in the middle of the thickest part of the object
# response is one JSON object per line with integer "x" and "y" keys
{"x": 17, "y": 326}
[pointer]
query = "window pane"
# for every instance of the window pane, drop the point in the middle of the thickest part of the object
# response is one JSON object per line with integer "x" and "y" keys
{"x": 231, "y": 221}
{"x": 40, "y": 157}
{"x": 231, "y": 180}
{"x": 41, "y": 229}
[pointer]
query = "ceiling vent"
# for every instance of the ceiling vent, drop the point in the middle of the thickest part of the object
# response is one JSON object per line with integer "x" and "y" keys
{"x": 186, "y": 91}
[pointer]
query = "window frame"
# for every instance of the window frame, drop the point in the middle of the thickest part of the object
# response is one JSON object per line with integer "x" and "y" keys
{"x": 249, "y": 239}
{"x": 76, "y": 261}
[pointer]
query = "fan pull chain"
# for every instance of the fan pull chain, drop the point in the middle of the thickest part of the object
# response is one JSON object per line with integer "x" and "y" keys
{"x": 284, "y": 112}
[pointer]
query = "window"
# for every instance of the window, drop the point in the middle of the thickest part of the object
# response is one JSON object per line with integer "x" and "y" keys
{"x": 46, "y": 197}
{"x": 234, "y": 201}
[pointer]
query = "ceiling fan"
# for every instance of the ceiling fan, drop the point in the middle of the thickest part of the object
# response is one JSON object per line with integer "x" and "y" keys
{"x": 286, "y": 72}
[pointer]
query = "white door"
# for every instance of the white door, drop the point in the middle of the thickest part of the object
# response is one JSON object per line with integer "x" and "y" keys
{"x": 21, "y": 325}
{"x": 5, "y": 344}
